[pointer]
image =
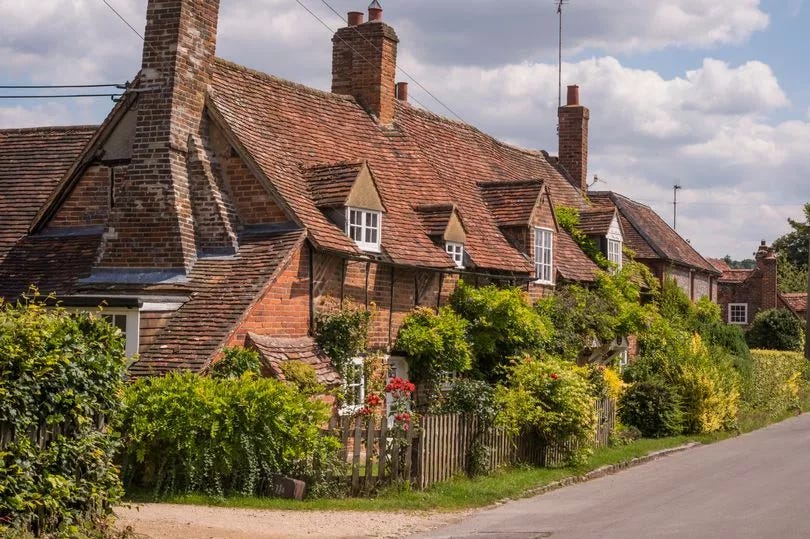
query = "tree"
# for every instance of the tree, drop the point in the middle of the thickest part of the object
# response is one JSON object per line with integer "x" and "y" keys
{"x": 793, "y": 246}
{"x": 790, "y": 277}
{"x": 748, "y": 263}
{"x": 776, "y": 329}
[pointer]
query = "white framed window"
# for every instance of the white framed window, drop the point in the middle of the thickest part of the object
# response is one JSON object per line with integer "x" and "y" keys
{"x": 543, "y": 255}
{"x": 128, "y": 321}
{"x": 365, "y": 228}
{"x": 614, "y": 252}
{"x": 456, "y": 252}
{"x": 738, "y": 313}
{"x": 354, "y": 387}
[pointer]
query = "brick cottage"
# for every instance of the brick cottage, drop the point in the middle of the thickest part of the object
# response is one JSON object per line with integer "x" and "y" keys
{"x": 219, "y": 206}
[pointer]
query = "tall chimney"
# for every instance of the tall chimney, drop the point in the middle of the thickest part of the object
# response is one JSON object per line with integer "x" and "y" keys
{"x": 573, "y": 150}
{"x": 766, "y": 263}
{"x": 151, "y": 229}
{"x": 402, "y": 91}
{"x": 364, "y": 64}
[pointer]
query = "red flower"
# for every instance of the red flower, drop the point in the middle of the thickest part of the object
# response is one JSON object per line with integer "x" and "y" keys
{"x": 365, "y": 410}
{"x": 373, "y": 400}
{"x": 554, "y": 376}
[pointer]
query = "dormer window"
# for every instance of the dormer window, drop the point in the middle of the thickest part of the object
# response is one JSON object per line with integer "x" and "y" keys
{"x": 614, "y": 252}
{"x": 543, "y": 254}
{"x": 365, "y": 228}
{"x": 456, "y": 252}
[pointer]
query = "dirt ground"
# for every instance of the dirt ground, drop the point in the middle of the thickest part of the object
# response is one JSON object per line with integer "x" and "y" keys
{"x": 165, "y": 521}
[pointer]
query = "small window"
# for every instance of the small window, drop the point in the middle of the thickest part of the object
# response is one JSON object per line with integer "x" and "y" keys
{"x": 354, "y": 386}
{"x": 543, "y": 254}
{"x": 365, "y": 228}
{"x": 738, "y": 313}
{"x": 614, "y": 252}
{"x": 456, "y": 252}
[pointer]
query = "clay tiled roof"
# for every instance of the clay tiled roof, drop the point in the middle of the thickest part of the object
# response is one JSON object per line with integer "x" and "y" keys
{"x": 596, "y": 222}
{"x": 330, "y": 185}
{"x": 275, "y": 351}
{"x": 32, "y": 161}
{"x": 720, "y": 264}
{"x": 435, "y": 217}
{"x": 796, "y": 302}
{"x": 572, "y": 263}
{"x": 287, "y": 128}
{"x": 649, "y": 235}
{"x": 223, "y": 290}
{"x": 53, "y": 263}
{"x": 511, "y": 203}
{"x": 735, "y": 275}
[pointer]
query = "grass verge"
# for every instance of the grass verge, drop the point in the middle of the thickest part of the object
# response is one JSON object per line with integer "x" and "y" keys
{"x": 457, "y": 494}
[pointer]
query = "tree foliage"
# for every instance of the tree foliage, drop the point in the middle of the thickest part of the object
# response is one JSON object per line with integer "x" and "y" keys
{"x": 793, "y": 245}
{"x": 653, "y": 408}
{"x": 568, "y": 219}
{"x": 235, "y": 362}
{"x": 61, "y": 372}
{"x": 343, "y": 333}
{"x": 776, "y": 329}
{"x": 502, "y": 325}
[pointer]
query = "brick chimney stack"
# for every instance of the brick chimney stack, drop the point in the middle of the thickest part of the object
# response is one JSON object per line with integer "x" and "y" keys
{"x": 364, "y": 63}
{"x": 573, "y": 150}
{"x": 151, "y": 229}
{"x": 766, "y": 263}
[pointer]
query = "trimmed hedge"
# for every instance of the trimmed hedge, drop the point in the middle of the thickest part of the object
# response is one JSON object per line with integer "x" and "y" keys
{"x": 775, "y": 381}
{"x": 59, "y": 373}
{"x": 185, "y": 433}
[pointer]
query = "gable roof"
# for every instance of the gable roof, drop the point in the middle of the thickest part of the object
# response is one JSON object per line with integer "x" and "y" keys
{"x": 512, "y": 202}
{"x": 720, "y": 264}
{"x": 424, "y": 159}
{"x": 32, "y": 161}
{"x": 330, "y": 185}
{"x": 435, "y": 217}
{"x": 649, "y": 235}
{"x": 597, "y": 222}
{"x": 276, "y": 351}
{"x": 795, "y": 301}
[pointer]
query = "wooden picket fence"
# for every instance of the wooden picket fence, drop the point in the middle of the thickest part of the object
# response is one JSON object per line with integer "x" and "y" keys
{"x": 439, "y": 448}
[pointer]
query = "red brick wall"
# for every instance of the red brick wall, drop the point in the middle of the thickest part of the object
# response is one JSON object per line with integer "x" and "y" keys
{"x": 364, "y": 60}
{"x": 89, "y": 202}
{"x": 253, "y": 203}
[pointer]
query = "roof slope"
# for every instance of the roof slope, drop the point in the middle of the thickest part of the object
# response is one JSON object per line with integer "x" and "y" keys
{"x": 330, "y": 185}
{"x": 223, "y": 289}
{"x": 596, "y": 222}
{"x": 32, "y": 161}
{"x": 287, "y": 128}
{"x": 276, "y": 351}
{"x": 435, "y": 217}
{"x": 649, "y": 235}
{"x": 795, "y": 301}
{"x": 511, "y": 203}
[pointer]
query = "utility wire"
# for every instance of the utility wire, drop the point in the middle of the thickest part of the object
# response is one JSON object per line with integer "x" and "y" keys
{"x": 399, "y": 68}
{"x": 137, "y": 33}
{"x": 62, "y": 86}
{"x": 113, "y": 96}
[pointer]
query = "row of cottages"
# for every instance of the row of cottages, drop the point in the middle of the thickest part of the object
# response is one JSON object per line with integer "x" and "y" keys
{"x": 220, "y": 206}
{"x": 743, "y": 293}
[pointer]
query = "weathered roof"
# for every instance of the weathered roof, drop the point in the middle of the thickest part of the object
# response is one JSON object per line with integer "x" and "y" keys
{"x": 331, "y": 184}
{"x": 32, "y": 161}
{"x": 511, "y": 203}
{"x": 572, "y": 263}
{"x": 435, "y": 217}
{"x": 223, "y": 290}
{"x": 287, "y": 128}
{"x": 796, "y": 302}
{"x": 736, "y": 275}
{"x": 719, "y": 264}
{"x": 649, "y": 235}
{"x": 596, "y": 222}
{"x": 275, "y": 351}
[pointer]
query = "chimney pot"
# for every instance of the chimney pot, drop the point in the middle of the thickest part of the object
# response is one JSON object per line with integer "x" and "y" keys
{"x": 355, "y": 18}
{"x": 375, "y": 11}
{"x": 573, "y": 95}
{"x": 402, "y": 91}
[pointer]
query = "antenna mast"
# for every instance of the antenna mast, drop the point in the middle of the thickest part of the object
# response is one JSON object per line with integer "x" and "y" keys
{"x": 559, "y": 52}
{"x": 675, "y": 189}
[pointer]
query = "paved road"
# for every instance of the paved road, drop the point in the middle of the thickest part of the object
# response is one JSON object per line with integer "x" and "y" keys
{"x": 756, "y": 485}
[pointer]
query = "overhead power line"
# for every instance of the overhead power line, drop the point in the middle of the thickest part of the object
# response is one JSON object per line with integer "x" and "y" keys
{"x": 112, "y": 96}
{"x": 399, "y": 68}
{"x": 123, "y": 19}
{"x": 61, "y": 86}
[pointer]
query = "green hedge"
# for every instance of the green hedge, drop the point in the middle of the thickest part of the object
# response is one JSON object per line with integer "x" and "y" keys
{"x": 775, "y": 381}
{"x": 59, "y": 372}
{"x": 185, "y": 433}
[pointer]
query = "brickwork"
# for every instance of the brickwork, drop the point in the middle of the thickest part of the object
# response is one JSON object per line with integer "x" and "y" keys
{"x": 364, "y": 60}
{"x": 152, "y": 226}
{"x": 254, "y": 204}
{"x": 89, "y": 203}
{"x": 573, "y": 149}
{"x": 758, "y": 289}
{"x": 702, "y": 286}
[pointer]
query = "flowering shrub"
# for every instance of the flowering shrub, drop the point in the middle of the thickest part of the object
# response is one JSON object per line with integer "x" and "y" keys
{"x": 400, "y": 391}
{"x": 551, "y": 396}
{"x": 775, "y": 381}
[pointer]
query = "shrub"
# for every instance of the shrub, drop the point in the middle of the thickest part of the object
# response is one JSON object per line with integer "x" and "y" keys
{"x": 343, "y": 333}
{"x": 185, "y": 433}
{"x": 551, "y": 396}
{"x": 775, "y": 381}
{"x": 235, "y": 362}
{"x": 434, "y": 343}
{"x": 502, "y": 325}
{"x": 776, "y": 329}
{"x": 653, "y": 408}
{"x": 474, "y": 397}
{"x": 58, "y": 371}
{"x": 302, "y": 376}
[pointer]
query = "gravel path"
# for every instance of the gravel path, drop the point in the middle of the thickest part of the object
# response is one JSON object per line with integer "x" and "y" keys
{"x": 166, "y": 521}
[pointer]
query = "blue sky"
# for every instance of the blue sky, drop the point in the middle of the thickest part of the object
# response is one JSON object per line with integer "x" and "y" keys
{"x": 713, "y": 95}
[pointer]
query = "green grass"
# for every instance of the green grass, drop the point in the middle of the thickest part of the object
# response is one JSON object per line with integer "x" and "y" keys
{"x": 459, "y": 493}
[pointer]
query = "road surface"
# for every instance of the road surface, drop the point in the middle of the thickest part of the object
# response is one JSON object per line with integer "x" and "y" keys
{"x": 755, "y": 485}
